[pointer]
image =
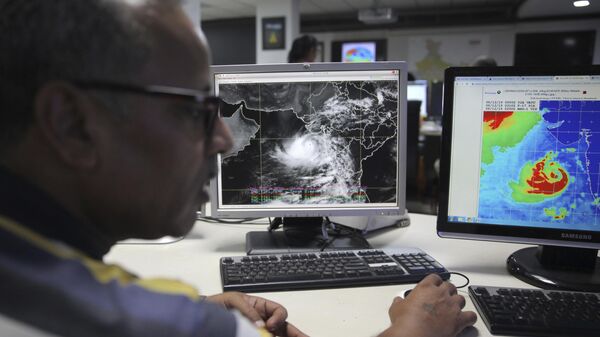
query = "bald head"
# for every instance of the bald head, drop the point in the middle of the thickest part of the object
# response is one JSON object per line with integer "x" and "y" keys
{"x": 176, "y": 41}
{"x": 45, "y": 40}
{"x": 143, "y": 175}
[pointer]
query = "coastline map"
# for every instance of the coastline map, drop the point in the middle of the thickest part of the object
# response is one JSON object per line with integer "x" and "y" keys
{"x": 317, "y": 143}
{"x": 542, "y": 166}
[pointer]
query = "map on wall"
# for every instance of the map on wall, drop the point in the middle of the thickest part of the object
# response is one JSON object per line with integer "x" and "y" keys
{"x": 310, "y": 143}
{"x": 429, "y": 56}
{"x": 542, "y": 166}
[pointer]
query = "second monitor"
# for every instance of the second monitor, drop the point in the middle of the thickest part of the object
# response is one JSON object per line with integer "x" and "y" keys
{"x": 520, "y": 164}
{"x": 311, "y": 141}
{"x": 417, "y": 91}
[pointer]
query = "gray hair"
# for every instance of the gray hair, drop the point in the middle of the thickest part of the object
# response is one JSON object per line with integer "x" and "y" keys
{"x": 45, "y": 40}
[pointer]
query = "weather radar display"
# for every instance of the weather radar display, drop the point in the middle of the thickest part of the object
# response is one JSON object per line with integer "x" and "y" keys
{"x": 542, "y": 166}
{"x": 358, "y": 52}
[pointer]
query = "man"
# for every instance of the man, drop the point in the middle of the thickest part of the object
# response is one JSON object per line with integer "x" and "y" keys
{"x": 106, "y": 133}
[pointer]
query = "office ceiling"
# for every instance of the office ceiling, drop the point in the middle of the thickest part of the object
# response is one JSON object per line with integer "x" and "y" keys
{"x": 331, "y": 15}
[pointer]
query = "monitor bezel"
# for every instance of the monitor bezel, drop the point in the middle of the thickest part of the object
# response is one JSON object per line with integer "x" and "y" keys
{"x": 491, "y": 232}
{"x": 399, "y": 209}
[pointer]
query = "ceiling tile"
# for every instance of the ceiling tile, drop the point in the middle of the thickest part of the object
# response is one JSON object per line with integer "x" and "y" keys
{"x": 311, "y": 7}
{"x": 537, "y": 8}
{"x": 424, "y": 3}
{"x": 331, "y": 6}
{"x": 223, "y": 9}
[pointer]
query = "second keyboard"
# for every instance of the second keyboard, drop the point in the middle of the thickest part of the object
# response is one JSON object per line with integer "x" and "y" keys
{"x": 537, "y": 312}
{"x": 327, "y": 269}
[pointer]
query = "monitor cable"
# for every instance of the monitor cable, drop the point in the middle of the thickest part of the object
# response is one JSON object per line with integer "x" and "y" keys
{"x": 333, "y": 231}
{"x": 330, "y": 231}
{"x": 467, "y": 281}
{"x": 275, "y": 223}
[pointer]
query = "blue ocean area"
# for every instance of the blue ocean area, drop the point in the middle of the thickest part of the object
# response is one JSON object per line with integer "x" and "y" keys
{"x": 571, "y": 130}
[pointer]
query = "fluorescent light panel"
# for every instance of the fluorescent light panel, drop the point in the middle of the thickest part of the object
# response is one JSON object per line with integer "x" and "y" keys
{"x": 581, "y": 3}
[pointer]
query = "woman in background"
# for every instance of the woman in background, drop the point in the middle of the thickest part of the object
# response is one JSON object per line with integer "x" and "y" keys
{"x": 304, "y": 49}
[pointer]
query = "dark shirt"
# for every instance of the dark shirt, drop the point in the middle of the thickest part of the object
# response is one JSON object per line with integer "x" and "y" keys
{"x": 52, "y": 279}
{"x": 35, "y": 209}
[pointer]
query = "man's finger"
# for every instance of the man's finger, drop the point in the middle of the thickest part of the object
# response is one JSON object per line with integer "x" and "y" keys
{"x": 273, "y": 313}
{"x": 239, "y": 303}
{"x": 277, "y": 319}
{"x": 460, "y": 299}
{"x": 466, "y": 319}
{"x": 450, "y": 288}
{"x": 289, "y": 330}
{"x": 434, "y": 279}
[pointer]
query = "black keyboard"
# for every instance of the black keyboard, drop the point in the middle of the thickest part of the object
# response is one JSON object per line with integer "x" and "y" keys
{"x": 329, "y": 269}
{"x": 533, "y": 312}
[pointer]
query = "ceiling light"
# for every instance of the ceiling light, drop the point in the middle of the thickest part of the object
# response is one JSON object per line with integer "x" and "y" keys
{"x": 570, "y": 42}
{"x": 581, "y": 3}
{"x": 377, "y": 16}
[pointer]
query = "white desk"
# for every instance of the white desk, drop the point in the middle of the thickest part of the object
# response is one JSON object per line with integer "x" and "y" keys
{"x": 319, "y": 313}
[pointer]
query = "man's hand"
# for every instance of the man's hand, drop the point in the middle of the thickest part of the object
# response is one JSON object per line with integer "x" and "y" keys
{"x": 260, "y": 311}
{"x": 433, "y": 309}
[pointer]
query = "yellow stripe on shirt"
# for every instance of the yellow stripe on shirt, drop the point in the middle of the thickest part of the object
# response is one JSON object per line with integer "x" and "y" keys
{"x": 102, "y": 272}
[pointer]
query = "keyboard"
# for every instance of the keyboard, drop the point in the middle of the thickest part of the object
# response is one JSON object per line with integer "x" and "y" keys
{"x": 533, "y": 312}
{"x": 330, "y": 269}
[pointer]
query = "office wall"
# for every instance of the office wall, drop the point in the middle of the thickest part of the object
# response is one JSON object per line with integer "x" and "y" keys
{"x": 290, "y": 10}
{"x": 232, "y": 41}
{"x": 498, "y": 40}
{"x": 193, "y": 10}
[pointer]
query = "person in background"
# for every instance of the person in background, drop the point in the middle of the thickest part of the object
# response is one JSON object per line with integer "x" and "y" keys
{"x": 484, "y": 61}
{"x": 108, "y": 132}
{"x": 304, "y": 50}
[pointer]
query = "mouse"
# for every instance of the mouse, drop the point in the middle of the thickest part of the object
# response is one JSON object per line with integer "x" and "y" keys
{"x": 404, "y": 293}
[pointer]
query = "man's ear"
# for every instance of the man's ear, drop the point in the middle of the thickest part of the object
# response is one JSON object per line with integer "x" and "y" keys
{"x": 64, "y": 116}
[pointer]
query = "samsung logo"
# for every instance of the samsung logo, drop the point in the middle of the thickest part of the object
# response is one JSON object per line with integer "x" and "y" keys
{"x": 576, "y": 236}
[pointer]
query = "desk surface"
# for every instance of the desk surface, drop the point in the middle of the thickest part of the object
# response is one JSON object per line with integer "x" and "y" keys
{"x": 331, "y": 312}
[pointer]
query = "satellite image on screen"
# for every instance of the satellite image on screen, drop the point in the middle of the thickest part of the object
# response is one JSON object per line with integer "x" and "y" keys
{"x": 542, "y": 166}
{"x": 310, "y": 143}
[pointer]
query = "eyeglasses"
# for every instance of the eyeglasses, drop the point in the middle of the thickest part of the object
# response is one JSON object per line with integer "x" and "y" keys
{"x": 206, "y": 107}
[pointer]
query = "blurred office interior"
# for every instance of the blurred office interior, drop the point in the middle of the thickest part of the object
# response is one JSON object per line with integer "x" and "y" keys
{"x": 429, "y": 35}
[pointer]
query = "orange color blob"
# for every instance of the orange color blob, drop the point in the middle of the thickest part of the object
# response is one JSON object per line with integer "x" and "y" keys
{"x": 495, "y": 118}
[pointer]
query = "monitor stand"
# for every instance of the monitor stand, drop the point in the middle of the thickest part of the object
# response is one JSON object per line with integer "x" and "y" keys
{"x": 561, "y": 268}
{"x": 302, "y": 235}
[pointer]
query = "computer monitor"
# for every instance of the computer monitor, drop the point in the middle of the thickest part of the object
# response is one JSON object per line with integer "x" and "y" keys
{"x": 521, "y": 163}
{"x": 358, "y": 51}
{"x": 311, "y": 141}
{"x": 417, "y": 91}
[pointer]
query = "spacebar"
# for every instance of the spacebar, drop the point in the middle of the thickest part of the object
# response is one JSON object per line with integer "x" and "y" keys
{"x": 294, "y": 277}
